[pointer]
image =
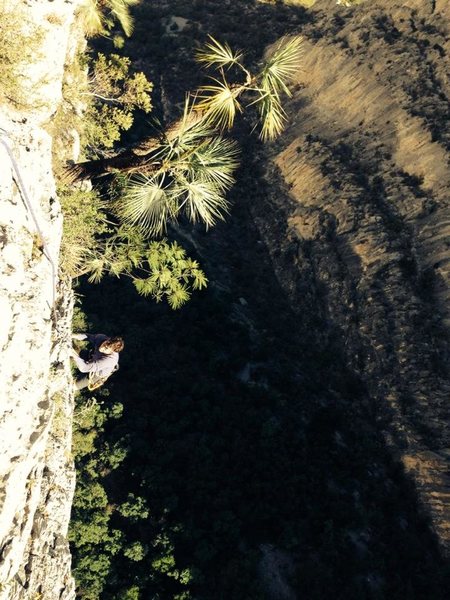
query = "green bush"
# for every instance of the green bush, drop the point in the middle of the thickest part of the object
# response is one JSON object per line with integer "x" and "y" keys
{"x": 85, "y": 222}
{"x": 113, "y": 95}
{"x": 92, "y": 538}
{"x": 135, "y": 551}
{"x": 131, "y": 593}
{"x": 134, "y": 508}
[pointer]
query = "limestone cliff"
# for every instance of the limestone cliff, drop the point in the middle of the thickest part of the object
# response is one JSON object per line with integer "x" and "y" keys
{"x": 360, "y": 232}
{"x": 37, "y": 473}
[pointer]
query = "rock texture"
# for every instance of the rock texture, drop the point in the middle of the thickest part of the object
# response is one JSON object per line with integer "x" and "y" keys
{"x": 37, "y": 473}
{"x": 362, "y": 210}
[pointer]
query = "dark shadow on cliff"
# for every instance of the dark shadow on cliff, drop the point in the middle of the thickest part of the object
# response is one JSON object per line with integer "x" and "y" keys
{"x": 246, "y": 422}
{"x": 246, "y": 427}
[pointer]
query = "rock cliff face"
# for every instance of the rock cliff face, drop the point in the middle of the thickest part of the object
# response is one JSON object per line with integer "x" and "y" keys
{"x": 360, "y": 232}
{"x": 37, "y": 473}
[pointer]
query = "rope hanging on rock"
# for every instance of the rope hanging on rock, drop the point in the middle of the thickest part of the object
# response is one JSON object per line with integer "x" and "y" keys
{"x": 4, "y": 140}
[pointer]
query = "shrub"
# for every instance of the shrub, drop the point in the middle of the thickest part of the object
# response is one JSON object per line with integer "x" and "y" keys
{"x": 113, "y": 96}
{"x": 19, "y": 45}
{"x": 135, "y": 551}
{"x": 84, "y": 223}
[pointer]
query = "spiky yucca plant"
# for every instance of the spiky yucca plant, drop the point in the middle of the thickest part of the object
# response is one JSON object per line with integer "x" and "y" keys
{"x": 187, "y": 169}
{"x": 188, "y": 173}
{"x": 191, "y": 170}
{"x": 221, "y": 100}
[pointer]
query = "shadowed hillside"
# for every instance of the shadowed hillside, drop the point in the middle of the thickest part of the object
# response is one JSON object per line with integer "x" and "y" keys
{"x": 367, "y": 164}
{"x": 288, "y": 428}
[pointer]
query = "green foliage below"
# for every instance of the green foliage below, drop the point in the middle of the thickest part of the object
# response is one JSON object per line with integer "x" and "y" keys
{"x": 135, "y": 551}
{"x": 93, "y": 540}
{"x": 158, "y": 269}
{"x": 131, "y": 593}
{"x": 134, "y": 508}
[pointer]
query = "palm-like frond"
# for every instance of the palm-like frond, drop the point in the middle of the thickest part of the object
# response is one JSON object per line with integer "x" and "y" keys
{"x": 96, "y": 270}
{"x": 202, "y": 201}
{"x": 92, "y": 17}
{"x": 190, "y": 127}
{"x": 215, "y": 53}
{"x": 213, "y": 161}
{"x": 281, "y": 64}
{"x": 147, "y": 203}
{"x": 273, "y": 116}
{"x": 95, "y": 15}
{"x": 219, "y": 103}
{"x": 120, "y": 9}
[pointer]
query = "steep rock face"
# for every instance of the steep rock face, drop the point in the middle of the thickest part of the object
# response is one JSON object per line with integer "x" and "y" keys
{"x": 363, "y": 209}
{"x": 37, "y": 472}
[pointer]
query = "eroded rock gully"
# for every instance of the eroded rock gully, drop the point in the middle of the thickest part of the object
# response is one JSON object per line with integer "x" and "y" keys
{"x": 37, "y": 472}
{"x": 360, "y": 223}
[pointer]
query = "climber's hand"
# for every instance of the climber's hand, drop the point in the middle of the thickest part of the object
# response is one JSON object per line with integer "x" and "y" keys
{"x": 78, "y": 336}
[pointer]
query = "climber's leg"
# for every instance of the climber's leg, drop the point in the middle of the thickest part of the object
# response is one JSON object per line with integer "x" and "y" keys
{"x": 82, "y": 383}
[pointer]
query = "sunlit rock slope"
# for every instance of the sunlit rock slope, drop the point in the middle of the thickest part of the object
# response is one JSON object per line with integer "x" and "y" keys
{"x": 36, "y": 468}
{"x": 363, "y": 223}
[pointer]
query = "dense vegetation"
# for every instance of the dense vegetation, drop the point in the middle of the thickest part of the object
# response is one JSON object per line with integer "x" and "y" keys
{"x": 240, "y": 437}
{"x": 232, "y": 441}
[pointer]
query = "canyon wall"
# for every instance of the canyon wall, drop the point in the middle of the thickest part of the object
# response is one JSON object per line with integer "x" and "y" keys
{"x": 37, "y": 471}
{"x": 360, "y": 226}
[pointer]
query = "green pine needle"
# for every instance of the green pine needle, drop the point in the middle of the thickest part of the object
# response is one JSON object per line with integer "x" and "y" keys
{"x": 177, "y": 298}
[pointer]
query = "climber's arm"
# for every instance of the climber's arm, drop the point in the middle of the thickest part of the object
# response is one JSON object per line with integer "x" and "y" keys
{"x": 82, "y": 365}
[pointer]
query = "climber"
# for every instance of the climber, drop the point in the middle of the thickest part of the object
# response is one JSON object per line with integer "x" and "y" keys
{"x": 103, "y": 359}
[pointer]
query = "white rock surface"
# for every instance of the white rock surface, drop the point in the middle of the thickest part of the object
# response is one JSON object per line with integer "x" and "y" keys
{"x": 36, "y": 469}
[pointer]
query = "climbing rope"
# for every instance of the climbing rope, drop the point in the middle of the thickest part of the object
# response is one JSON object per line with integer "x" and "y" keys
{"x": 4, "y": 140}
